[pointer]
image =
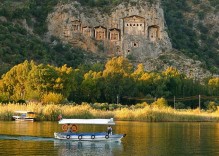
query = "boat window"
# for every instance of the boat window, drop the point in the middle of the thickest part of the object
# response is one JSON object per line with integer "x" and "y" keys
{"x": 30, "y": 113}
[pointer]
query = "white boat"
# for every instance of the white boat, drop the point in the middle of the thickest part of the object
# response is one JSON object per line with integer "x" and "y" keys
{"x": 24, "y": 116}
{"x": 70, "y": 124}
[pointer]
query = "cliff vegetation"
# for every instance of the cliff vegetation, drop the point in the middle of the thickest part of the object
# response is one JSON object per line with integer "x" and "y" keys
{"x": 192, "y": 28}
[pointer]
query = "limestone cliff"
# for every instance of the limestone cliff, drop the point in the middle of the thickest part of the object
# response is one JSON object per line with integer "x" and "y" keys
{"x": 137, "y": 31}
{"x": 134, "y": 30}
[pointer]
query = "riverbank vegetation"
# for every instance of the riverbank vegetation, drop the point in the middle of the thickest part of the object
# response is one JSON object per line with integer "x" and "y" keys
{"x": 117, "y": 82}
{"x": 156, "y": 112}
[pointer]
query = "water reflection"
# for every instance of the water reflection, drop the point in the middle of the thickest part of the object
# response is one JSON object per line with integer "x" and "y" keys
{"x": 143, "y": 138}
{"x": 62, "y": 147}
{"x": 87, "y": 147}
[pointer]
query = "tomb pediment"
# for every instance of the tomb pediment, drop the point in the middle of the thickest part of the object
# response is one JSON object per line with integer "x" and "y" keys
{"x": 100, "y": 32}
{"x": 86, "y": 30}
{"x": 76, "y": 21}
{"x": 76, "y": 25}
{"x": 100, "y": 27}
{"x": 134, "y": 18}
{"x": 114, "y": 29}
{"x": 134, "y": 25}
{"x": 114, "y": 34}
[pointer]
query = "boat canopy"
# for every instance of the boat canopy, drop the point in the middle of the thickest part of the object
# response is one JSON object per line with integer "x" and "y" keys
{"x": 88, "y": 121}
{"x": 24, "y": 112}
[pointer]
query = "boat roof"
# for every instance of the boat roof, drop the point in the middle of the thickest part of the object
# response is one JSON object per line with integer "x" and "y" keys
{"x": 23, "y": 112}
{"x": 88, "y": 121}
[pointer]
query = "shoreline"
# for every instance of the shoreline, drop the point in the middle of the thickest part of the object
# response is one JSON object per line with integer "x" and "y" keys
{"x": 148, "y": 113}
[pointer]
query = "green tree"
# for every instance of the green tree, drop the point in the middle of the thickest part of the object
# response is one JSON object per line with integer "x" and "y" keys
{"x": 15, "y": 80}
{"x": 173, "y": 80}
{"x": 52, "y": 98}
{"x": 65, "y": 80}
{"x": 214, "y": 85}
{"x": 42, "y": 79}
{"x": 117, "y": 78}
{"x": 92, "y": 85}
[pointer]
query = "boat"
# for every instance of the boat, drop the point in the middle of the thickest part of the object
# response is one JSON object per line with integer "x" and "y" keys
{"x": 24, "y": 116}
{"x": 69, "y": 127}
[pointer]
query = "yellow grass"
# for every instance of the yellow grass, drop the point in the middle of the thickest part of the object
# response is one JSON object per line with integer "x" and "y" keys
{"x": 148, "y": 113}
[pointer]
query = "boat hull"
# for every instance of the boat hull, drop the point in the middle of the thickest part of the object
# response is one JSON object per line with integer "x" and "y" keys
{"x": 18, "y": 118}
{"x": 88, "y": 136}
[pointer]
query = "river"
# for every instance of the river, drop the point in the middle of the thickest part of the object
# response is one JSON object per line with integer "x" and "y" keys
{"x": 142, "y": 139}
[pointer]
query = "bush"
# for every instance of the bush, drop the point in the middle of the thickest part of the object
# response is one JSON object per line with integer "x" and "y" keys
{"x": 196, "y": 1}
{"x": 140, "y": 105}
{"x": 115, "y": 106}
{"x": 3, "y": 97}
{"x": 54, "y": 98}
{"x": 21, "y": 101}
{"x": 211, "y": 106}
{"x": 161, "y": 103}
{"x": 202, "y": 28}
{"x": 201, "y": 15}
{"x": 179, "y": 105}
{"x": 101, "y": 106}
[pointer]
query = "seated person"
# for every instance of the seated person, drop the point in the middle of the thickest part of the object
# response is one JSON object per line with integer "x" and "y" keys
{"x": 109, "y": 130}
{"x": 69, "y": 128}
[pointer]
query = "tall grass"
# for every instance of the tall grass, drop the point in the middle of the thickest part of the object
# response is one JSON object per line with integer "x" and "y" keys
{"x": 147, "y": 113}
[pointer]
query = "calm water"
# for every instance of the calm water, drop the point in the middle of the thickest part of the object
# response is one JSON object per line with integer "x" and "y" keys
{"x": 146, "y": 139}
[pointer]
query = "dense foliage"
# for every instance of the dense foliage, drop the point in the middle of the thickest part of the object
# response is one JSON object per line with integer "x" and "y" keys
{"x": 18, "y": 44}
{"x": 194, "y": 37}
{"x": 35, "y": 12}
{"x": 117, "y": 82}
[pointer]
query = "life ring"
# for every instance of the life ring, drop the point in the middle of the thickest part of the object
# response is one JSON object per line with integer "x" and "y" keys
{"x": 107, "y": 136}
{"x": 92, "y": 136}
{"x": 68, "y": 136}
{"x": 65, "y": 127}
{"x": 74, "y": 128}
{"x": 79, "y": 137}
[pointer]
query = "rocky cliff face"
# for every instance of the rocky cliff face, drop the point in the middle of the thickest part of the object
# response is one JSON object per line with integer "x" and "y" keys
{"x": 136, "y": 30}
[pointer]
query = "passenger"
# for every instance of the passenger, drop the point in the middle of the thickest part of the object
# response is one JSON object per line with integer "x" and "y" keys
{"x": 109, "y": 130}
{"x": 69, "y": 128}
{"x": 60, "y": 117}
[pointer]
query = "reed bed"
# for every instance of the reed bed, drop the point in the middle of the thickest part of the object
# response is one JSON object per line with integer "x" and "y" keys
{"x": 148, "y": 113}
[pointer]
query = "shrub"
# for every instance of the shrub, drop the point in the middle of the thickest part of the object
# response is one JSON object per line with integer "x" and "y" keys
{"x": 101, "y": 106}
{"x": 179, "y": 105}
{"x": 21, "y": 101}
{"x": 211, "y": 106}
{"x": 3, "y": 97}
{"x": 201, "y": 15}
{"x": 161, "y": 103}
{"x": 196, "y": 1}
{"x": 140, "y": 105}
{"x": 52, "y": 98}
